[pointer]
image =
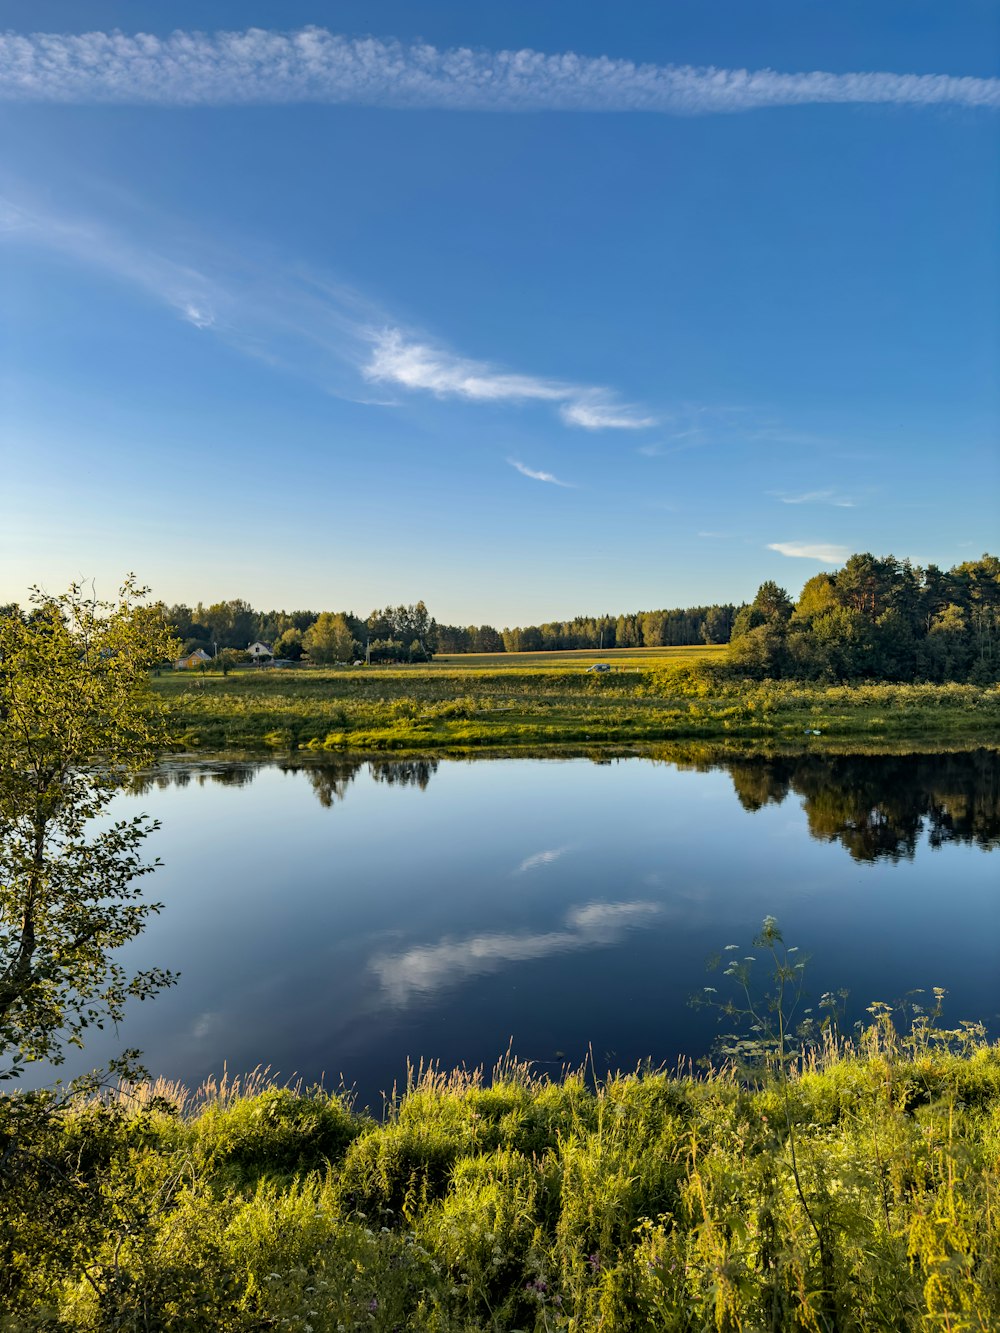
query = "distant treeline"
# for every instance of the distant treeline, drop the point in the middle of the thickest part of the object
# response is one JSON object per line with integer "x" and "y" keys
{"x": 639, "y": 629}
{"x": 409, "y": 633}
{"x": 878, "y": 617}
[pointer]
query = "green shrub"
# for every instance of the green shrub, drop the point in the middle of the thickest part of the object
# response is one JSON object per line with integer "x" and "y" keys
{"x": 275, "y": 1133}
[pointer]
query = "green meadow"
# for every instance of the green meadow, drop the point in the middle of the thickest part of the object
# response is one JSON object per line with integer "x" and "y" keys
{"x": 537, "y": 700}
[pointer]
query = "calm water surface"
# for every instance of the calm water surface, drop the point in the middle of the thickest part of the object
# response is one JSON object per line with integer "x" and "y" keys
{"x": 338, "y": 919}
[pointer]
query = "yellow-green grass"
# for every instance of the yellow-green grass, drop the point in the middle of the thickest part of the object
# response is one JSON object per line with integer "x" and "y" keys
{"x": 441, "y": 706}
{"x": 583, "y": 658}
{"x": 862, "y": 1192}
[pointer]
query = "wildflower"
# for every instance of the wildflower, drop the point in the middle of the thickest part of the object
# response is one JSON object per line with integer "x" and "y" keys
{"x": 595, "y": 1262}
{"x": 373, "y": 1304}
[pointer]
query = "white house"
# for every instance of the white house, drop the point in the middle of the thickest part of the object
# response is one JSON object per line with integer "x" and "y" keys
{"x": 260, "y": 652}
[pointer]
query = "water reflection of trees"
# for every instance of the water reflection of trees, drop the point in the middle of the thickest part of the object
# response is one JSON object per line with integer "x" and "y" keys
{"x": 877, "y": 806}
{"x": 330, "y": 781}
{"x": 329, "y": 778}
{"x": 404, "y": 772}
{"x": 182, "y": 775}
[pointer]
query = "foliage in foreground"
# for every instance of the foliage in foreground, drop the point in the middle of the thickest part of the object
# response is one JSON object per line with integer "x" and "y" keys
{"x": 649, "y": 1202}
{"x": 76, "y": 725}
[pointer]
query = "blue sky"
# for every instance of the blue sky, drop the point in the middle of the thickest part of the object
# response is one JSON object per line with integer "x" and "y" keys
{"x": 363, "y": 308}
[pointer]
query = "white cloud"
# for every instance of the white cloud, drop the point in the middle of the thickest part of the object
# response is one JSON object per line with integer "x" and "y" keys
{"x": 539, "y": 476}
{"x": 417, "y": 365}
{"x": 399, "y": 359}
{"x": 593, "y": 414}
{"x": 425, "y": 969}
{"x": 825, "y": 552}
{"x": 816, "y": 497}
{"x": 314, "y": 65}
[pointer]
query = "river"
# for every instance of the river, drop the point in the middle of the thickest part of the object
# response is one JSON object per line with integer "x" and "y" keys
{"x": 335, "y": 920}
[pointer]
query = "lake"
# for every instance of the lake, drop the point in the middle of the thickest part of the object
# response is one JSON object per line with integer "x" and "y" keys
{"x": 335, "y": 919}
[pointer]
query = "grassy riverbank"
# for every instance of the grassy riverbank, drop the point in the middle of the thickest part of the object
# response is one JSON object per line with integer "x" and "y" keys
{"x": 674, "y": 695}
{"x": 644, "y": 1202}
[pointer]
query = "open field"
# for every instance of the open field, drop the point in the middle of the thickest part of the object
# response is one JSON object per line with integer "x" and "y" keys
{"x": 859, "y": 1191}
{"x": 545, "y": 703}
{"x": 617, "y": 658}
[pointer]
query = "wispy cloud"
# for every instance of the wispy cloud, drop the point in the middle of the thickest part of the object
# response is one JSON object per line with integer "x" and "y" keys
{"x": 294, "y": 322}
{"x": 416, "y": 365}
{"x": 426, "y": 969}
{"x": 526, "y": 471}
{"x": 315, "y": 65}
{"x": 412, "y": 364}
{"x": 302, "y": 323}
{"x": 825, "y": 552}
{"x": 694, "y": 426}
{"x": 198, "y": 316}
{"x": 592, "y": 413}
{"x": 815, "y": 497}
{"x": 189, "y": 292}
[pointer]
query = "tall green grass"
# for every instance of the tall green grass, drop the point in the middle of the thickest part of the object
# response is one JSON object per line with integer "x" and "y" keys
{"x": 631, "y": 1202}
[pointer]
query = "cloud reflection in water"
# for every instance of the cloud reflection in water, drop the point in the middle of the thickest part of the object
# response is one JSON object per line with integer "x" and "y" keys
{"x": 428, "y": 968}
{"x": 541, "y": 859}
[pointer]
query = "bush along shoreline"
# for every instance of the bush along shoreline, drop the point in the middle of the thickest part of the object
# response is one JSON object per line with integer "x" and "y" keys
{"x": 806, "y": 1181}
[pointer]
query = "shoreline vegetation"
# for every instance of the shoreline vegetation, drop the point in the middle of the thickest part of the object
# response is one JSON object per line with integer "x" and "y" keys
{"x": 510, "y": 704}
{"x": 855, "y": 1187}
